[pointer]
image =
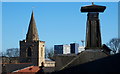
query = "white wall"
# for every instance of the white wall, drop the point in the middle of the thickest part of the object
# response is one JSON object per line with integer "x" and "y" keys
{"x": 80, "y": 49}
{"x": 66, "y": 49}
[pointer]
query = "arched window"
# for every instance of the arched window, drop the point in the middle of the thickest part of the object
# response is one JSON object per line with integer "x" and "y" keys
{"x": 29, "y": 53}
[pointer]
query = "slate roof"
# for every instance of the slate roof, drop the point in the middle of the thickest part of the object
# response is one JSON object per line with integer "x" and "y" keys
{"x": 84, "y": 57}
{"x": 100, "y": 66}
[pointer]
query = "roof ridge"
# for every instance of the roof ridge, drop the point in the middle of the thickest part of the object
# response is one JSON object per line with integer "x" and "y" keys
{"x": 71, "y": 61}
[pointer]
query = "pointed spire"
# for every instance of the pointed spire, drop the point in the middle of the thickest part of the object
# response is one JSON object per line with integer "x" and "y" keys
{"x": 32, "y": 34}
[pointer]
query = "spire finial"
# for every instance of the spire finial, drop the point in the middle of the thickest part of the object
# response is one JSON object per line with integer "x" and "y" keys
{"x": 33, "y": 8}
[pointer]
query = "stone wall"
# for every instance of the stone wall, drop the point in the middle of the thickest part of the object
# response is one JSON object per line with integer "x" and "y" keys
{"x": 10, "y": 59}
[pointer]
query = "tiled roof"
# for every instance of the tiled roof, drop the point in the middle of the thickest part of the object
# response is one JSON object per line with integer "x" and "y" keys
{"x": 29, "y": 69}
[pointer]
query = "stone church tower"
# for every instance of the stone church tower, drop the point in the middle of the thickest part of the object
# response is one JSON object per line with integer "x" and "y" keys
{"x": 32, "y": 50}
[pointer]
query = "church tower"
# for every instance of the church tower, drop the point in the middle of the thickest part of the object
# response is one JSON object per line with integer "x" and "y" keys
{"x": 32, "y": 50}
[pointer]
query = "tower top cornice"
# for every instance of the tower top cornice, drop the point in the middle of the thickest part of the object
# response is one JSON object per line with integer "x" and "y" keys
{"x": 93, "y": 8}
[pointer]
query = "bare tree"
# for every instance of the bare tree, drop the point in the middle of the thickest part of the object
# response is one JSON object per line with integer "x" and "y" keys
{"x": 46, "y": 52}
{"x": 12, "y": 52}
{"x": 2, "y": 54}
{"x": 11, "y": 55}
{"x": 49, "y": 52}
{"x": 114, "y": 45}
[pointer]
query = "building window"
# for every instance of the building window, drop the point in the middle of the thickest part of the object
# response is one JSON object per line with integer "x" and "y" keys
{"x": 29, "y": 53}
